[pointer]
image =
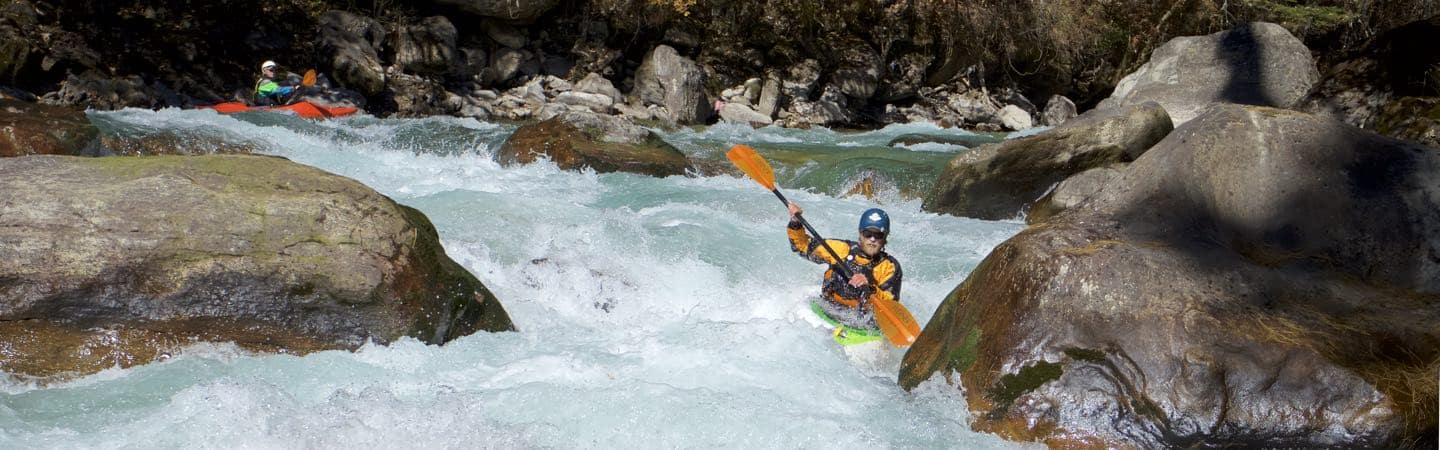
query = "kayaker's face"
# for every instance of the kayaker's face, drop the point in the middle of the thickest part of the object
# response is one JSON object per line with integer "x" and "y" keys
{"x": 871, "y": 242}
{"x": 269, "y": 71}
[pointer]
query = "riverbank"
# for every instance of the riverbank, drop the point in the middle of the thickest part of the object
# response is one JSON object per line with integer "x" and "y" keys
{"x": 796, "y": 64}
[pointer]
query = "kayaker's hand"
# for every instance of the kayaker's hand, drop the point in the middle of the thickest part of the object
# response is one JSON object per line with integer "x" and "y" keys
{"x": 858, "y": 280}
{"x": 795, "y": 212}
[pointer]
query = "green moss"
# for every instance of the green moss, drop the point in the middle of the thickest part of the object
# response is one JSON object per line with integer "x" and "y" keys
{"x": 1014, "y": 385}
{"x": 1085, "y": 354}
{"x": 963, "y": 357}
{"x": 1291, "y": 12}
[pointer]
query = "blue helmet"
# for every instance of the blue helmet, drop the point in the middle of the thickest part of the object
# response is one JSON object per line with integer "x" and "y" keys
{"x": 876, "y": 219}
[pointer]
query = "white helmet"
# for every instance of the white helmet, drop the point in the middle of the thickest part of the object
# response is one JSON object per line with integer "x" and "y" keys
{"x": 267, "y": 65}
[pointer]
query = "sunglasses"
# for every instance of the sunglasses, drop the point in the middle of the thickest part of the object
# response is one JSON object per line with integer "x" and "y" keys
{"x": 876, "y": 235}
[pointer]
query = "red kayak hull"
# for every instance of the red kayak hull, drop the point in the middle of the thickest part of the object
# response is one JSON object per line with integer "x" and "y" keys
{"x": 303, "y": 109}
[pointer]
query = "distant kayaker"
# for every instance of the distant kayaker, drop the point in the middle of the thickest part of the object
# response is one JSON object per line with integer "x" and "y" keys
{"x": 875, "y": 273}
{"x": 270, "y": 89}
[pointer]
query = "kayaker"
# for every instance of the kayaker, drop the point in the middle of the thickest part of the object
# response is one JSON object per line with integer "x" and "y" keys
{"x": 875, "y": 273}
{"x": 272, "y": 90}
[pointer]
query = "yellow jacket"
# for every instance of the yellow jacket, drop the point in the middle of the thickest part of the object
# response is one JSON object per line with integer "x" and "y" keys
{"x": 882, "y": 270}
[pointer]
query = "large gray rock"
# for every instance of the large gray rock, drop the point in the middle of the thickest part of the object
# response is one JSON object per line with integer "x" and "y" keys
{"x": 858, "y": 70}
{"x": 667, "y": 79}
{"x": 1058, "y": 110}
{"x": 352, "y": 42}
{"x": 1260, "y": 278}
{"x": 1000, "y": 181}
{"x": 511, "y": 10}
{"x": 250, "y": 249}
{"x": 1254, "y": 64}
{"x": 427, "y": 47}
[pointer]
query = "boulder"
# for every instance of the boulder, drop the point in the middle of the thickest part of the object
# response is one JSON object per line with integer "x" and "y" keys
{"x": 1014, "y": 118}
{"x": 577, "y": 140}
{"x": 352, "y": 41}
{"x": 1058, "y": 110}
{"x": 1260, "y": 278}
{"x": 858, "y": 70}
{"x": 667, "y": 79}
{"x": 254, "y": 250}
{"x": 1254, "y": 64}
{"x": 1000, "y": 181}
{"x": 594, "y": 83}
{"x": 966, "y": 140}
{"x": 1072, "y": 192}
{"x": 769, "y": 101}
{"x": 34, "y": 129}
{"x": 735, "y": 112}
{"x": 427, "y": 47}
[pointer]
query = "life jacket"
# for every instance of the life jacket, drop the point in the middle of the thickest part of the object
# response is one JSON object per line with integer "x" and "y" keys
{"x": 882, "y": 270}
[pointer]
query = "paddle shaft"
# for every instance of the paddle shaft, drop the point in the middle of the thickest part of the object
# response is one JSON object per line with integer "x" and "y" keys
{"x": 823, "y": 243}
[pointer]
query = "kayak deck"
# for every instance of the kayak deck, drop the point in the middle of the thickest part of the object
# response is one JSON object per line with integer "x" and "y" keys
{"x": 304, "y": 109}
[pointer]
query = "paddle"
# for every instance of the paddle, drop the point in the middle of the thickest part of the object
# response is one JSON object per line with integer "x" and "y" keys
{"x": 895, "y": 321}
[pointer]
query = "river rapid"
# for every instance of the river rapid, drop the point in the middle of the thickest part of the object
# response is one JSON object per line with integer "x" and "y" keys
{"x": 652, "y": 312}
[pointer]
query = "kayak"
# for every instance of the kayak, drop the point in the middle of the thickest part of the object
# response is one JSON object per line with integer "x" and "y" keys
{"x": 303, "y": 109}
{"x": 843, "y": 334}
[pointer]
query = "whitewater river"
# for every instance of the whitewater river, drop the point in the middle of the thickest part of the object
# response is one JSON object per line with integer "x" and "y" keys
{"x": 652, "y": 313}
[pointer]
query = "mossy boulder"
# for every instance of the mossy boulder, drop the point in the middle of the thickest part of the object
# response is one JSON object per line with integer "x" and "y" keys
{"x": 1260, "y": 278}
{"x": 576, "y": 140}
{"x": 35, "y": 129}
{"x": 140, "y": 255}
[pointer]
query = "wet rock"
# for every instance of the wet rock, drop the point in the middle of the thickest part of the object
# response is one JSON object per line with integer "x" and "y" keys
{"x": 1000, "y": 181}
{"x": 255, "y": 250}
{"x": 575, "y": 140}
{"x": 1254, "y": 64}
{"x": 35, "y": 129}
{"x": 1260, "y": 278}
{"x": 967, "y": 140}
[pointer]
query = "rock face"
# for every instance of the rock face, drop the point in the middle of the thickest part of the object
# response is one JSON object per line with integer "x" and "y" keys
{"x": 351, "y": 41}
{"x": 32, "y": 129}
{"x": 603, "y": 143}
{"x": 256, "y": 250}
{"x": 1260, "y": 278}
{"x": 667, "y": 79}
{"x": 1255, "y": 64}
{"x": 999, "y": 181}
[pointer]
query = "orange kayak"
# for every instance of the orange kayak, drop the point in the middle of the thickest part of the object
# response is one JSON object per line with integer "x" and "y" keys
{"x": 303, "y": 109}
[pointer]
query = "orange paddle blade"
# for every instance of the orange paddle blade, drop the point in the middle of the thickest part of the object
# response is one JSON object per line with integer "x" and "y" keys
{"x": 752, "y": 164}
{"x": 309, "y": 79}
{"x": 896, "y": 322}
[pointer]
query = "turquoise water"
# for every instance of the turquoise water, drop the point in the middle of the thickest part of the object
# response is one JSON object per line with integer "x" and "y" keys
{"x": 652, "y": 312}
